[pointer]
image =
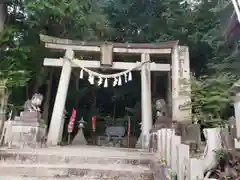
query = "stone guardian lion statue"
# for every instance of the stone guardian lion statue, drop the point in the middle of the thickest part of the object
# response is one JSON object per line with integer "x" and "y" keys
{"x": 33, "y": 104}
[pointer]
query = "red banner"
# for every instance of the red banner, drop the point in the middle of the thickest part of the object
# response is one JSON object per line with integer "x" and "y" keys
{"x": 72, "y": 120}
{"x": 94, "y": 118}
{"x": 129, "y": 127}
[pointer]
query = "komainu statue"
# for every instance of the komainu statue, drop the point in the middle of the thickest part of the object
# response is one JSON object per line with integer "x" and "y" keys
{"x": 162, "y": 118}
{"x": 161, "y": 108}
{"x": 33, "y": 104}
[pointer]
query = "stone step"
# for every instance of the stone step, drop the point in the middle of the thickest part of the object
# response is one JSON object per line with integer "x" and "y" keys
{"x": 97, "y": 171}
{"x": 88, "y": 154}
{"x": 51, "y": 159}
{"x": 38, "y": 158}
{"x": 52, "y": 178}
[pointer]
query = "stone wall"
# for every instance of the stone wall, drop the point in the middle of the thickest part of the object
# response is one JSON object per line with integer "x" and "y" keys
{"x": 184, "y": 94}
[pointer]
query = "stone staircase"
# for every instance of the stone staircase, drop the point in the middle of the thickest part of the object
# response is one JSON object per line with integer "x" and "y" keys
{"x": 77, "y": 163}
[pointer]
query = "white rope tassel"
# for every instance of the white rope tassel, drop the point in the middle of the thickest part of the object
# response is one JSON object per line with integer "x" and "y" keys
{"x": 91, "y": 79}
{"x": 81, "y": 74}
{"x": 100, "y": 81}
{"x": 129, "y": 76}
{"x": 119, "y": 81}
{"x": 106, "y": 83}
{"x": 115, "y": 82}
{"x": 125, "y": 78}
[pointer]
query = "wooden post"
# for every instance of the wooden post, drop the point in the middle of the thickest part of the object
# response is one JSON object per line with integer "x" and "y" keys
{"x": 175, "y": 84}
{"x": 146, "y": 100}
{"x": 169, "y": 94}
{"x": 182, "y": 161}
{"x": 56, "y": 126}
{"x": 176, "y": 140}
{"x": 48, "y": 97}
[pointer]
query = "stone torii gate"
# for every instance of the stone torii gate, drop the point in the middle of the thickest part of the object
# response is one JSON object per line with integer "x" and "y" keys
{"x": 178, "y": 89}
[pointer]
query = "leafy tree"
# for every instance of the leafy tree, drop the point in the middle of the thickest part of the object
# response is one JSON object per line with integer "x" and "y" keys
{"x": 197, "y": 25}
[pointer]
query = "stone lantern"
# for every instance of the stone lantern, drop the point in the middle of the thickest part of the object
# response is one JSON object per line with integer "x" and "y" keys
{"x": 79, "y": 139}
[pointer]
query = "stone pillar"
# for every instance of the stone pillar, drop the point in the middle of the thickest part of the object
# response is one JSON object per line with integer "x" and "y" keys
{"x": 237, "y": 119}
{"x": 175, "y": 84}
{"x": 56, "y": 125}
{"x": 146, "y": 100}
{"x": 184, "y": 99}
{"x": 181, "y": 85}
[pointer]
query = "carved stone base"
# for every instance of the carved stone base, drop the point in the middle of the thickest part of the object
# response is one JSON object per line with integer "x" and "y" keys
{"x": 139, "y": 142}
{"x": 26, "y": 130}
{"x": 79, "y": 139}
{"x": 143, "y": 141}
{"x": 23, "y": 134}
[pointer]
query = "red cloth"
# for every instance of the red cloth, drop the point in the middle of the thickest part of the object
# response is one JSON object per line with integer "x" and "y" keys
{"x": 94, "y": 118}
{"x": 129, "y": 127}
{"x": 73, "y": 118}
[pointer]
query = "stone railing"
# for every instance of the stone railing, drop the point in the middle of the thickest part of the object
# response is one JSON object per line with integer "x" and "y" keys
{"x": 175, "y": 159}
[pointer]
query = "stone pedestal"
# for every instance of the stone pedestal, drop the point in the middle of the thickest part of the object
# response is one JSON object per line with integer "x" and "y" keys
{"x": 79, "y": 139}
{"x": 28, "y": 129}
{"x": 139, "y": 142}
{"x": 190, "y": 134}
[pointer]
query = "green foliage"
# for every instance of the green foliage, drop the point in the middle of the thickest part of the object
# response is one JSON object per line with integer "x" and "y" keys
{"x": 214, "y": 64}
{"x": 210, "y": 94}
{"x": 14, "y": 59}
{"x": 221, "y": 155}
{"x": 22, "y": 55}
{"x": 67, "y": 18}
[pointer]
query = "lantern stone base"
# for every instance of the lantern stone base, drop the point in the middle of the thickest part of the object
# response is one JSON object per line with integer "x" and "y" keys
{"x": 26, "y": 130}
{"x": 143, "y": 141}
{"x": 79, "y": 139}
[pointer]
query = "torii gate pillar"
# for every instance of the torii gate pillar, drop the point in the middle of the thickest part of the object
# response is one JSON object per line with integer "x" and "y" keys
{"x": 57, "y": 121}
{"x": 146, "y": 100}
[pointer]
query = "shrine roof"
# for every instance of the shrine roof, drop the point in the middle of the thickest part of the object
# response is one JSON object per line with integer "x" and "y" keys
{"x": 55, "y": 40}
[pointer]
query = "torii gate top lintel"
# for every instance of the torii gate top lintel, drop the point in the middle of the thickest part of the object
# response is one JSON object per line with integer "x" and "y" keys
{"x": 107, "y": 49}
{"x": 131, "y": 48}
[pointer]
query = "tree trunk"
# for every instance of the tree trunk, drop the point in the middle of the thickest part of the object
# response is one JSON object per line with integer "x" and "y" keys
{"x": 39, "y": 81}
{"x": 3, "y": 110}
{"x": 3, "y": 15}
{"x": 3, "y": 99}
{"x": 48, "y": 97}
